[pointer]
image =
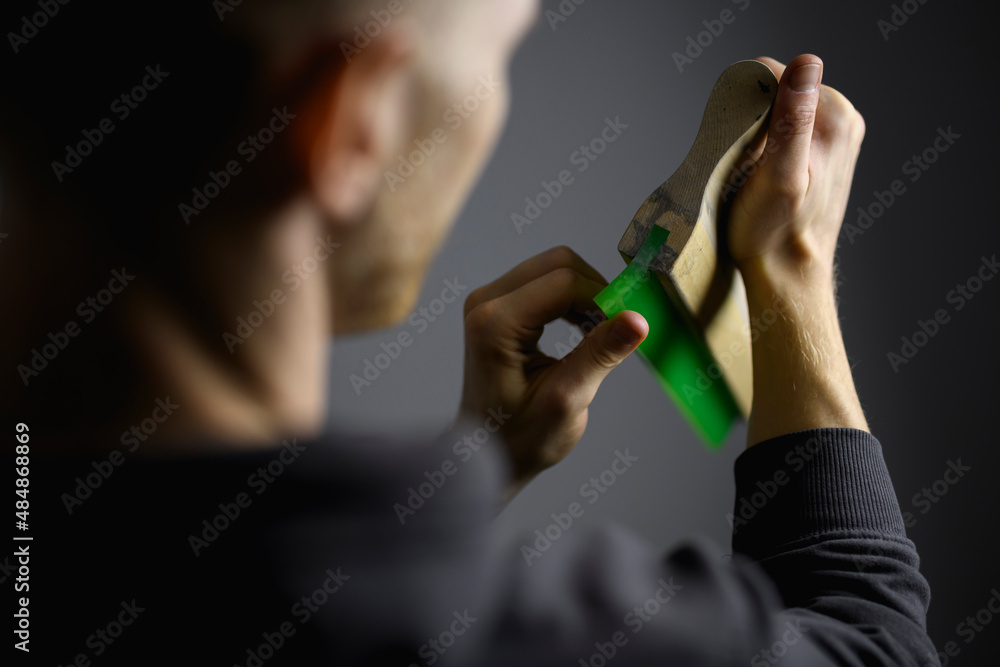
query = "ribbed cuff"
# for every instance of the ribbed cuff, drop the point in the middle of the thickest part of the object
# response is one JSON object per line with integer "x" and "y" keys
{"x": 812, "y": 482}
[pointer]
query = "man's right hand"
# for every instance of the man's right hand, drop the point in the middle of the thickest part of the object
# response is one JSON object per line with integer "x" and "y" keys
{"x": 789, "y": 212}
{"x": 783, "y": 229}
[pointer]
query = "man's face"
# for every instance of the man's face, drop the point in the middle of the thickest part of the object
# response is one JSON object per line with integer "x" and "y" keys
{"x": 460, "y": 97}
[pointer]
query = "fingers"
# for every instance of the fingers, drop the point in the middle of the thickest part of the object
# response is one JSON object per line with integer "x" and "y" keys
{"x": 610, "y": 343}
{"x": 532, "y": 269}
{"x": 792, "y": 121}
{"x": 797, "y": 195}
{"x": 837, "y": 121}
{"x": 502, "y": 330}
{"x": 521, "y": 315}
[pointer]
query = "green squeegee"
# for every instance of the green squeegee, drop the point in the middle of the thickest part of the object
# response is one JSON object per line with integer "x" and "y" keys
{"x": 674, "y": 353}
{"x": 677, "y": 276}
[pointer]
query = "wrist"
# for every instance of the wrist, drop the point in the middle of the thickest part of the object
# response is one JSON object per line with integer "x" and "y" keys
{"x": 801, "y": 278}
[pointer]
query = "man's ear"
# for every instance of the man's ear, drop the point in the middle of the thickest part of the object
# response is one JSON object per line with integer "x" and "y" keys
{"x": 357, "y": 115}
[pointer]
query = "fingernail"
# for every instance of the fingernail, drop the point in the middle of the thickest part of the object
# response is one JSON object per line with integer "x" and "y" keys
{"x": 805, "y": 78}
{"x": 625, "y": 334}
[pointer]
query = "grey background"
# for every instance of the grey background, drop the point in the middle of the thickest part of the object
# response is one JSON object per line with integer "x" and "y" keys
{"x": 614, "y": 59}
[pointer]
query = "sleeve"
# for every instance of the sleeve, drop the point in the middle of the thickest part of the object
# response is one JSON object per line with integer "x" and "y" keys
{"x": 817, "y": 510}
{"x": 822, "y": 574}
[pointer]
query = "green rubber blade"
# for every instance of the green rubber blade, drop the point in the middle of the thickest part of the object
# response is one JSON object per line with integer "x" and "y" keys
{"x": 675, "y": 353}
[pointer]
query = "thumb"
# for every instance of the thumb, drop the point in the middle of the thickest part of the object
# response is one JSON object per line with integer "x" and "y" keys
{"x": 600, "y": 353}
{"x": 792, "y": 122}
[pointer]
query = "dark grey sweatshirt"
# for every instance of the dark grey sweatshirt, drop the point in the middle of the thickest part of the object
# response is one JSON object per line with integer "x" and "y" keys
{"x": 361, "y": 550}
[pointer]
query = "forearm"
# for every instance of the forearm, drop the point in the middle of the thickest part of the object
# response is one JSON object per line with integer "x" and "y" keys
{"x": 802, "y": 378}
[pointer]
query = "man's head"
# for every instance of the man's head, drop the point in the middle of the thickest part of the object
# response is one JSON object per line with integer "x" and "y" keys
{"x": 190, "y": 140}
{"x": 367, "y": 82}
{"x": 395, "y": 140}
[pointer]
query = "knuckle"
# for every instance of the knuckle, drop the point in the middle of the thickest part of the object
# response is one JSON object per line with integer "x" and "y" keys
{"x": 475, "y": 297}
{"x": 858, "y": 127}
{"x": 561, "y": 255}
{"x": 482, "y": 318}
{"x": 797, "y": 121}
{"x": 836, "y": 101}
{"x": 563, "y": 278}
{"x": 558, "y": 404}
{"x": 839, "y": 117}
{"x": 603, "y": 358}
{"x": 802, "y": 118}
{"x": 788, "y": 187}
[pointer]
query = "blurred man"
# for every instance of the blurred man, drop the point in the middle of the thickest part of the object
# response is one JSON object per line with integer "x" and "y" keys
{"x": 196, "y": 199}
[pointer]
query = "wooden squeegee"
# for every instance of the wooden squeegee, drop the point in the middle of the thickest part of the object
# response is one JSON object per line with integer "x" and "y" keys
{"x": 698, "y": 345}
